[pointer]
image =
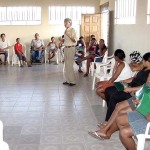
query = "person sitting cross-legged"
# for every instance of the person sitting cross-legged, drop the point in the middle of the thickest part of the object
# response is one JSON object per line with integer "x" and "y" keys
{"x": 94, "y": 50}
{"x": 52, "y": 49}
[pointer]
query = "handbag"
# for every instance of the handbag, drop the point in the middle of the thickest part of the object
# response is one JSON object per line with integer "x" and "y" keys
{"x": 144, "y": 105}
{"x": 105, "y": 84}
{"x": 144, "y": 89}
{"x": 120, "y": 86}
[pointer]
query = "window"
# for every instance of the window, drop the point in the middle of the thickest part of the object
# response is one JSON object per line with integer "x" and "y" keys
{"x": 20, "y": 15}
{"x": 148, "y": 12}
{"x": 125, "y": 11}
{"x": 57, "y": 14}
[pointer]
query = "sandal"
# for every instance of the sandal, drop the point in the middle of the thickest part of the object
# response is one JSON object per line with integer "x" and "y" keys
{"x": 80, "y": 71}
{"x": 95, "y": 135}
{"x": 102, "y": 125}
{"x": 100, "y": 137}
{"x": 85, "y": 75}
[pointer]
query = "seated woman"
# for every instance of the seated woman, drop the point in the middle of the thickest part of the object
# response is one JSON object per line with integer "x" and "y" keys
{"x": 94, "y": 50}
{"x": 119, "y": 120}
{"x": 113, "y": 96}
{"x": 122, "y": 107}
{"x": 121, "y": 71}
{"x": 132, "y": 123}
{"x": 135, "y": 61}
{"x": 52, "y": 49}
{"x": 19, "y": 52}
{"x": 61, "y": 47}
{"x": 80, "y": 52}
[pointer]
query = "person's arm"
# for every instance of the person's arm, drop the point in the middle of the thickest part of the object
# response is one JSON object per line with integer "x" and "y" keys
{"x": 32, "y": 45}
{"x": 148, "y": 80}
{"x": 117, "y": 72}
{"x": 42, "y": 45}
{"x": 127, "y": 80}
{"x": 72, "y": 36}
{"x": 136, "y": 67}
{"x": 148, "y": 117}
{"x": 132, "y": 89}
{"x": 4, "y": 49}
{"x": 102, "y": 53}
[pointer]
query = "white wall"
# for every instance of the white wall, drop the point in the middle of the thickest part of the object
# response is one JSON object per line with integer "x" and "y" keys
{"x": 131, "y": 37}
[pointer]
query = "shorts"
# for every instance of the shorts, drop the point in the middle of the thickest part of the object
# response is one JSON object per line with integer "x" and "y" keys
{"x": 98, "y": 59}
{"x": 131, "y": 104}
{"x": 51, "y": 50}
{"x": 137, "y": 122}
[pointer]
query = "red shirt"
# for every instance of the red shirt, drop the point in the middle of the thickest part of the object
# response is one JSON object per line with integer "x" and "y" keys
{"x": 18, "y": 48}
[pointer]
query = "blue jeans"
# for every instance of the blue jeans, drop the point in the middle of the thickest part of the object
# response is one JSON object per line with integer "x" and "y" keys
{"x": 36, "y": 55}
{"x": 5, "y": 53}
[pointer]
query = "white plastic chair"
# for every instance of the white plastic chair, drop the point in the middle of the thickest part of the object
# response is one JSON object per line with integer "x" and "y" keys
{"x": 102, "y": 73}
{"x": 3, "y": 145}
{"x": 142, "y": 137}
{"x": 8, "y": 58}
{"x": 57, "y": 57}
{"x": 15, "y": 60}
{"x": 93, "y": 64}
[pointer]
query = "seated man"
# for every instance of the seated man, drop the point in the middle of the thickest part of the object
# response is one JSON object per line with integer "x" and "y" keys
{"x": 4, "y": 45}
{"x": 37, "y": 49}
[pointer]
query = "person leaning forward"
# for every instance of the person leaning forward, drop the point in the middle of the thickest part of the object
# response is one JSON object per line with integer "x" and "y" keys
{"x": 69, "y": 52}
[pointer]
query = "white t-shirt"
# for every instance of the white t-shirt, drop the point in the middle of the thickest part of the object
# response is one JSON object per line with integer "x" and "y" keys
{"x": 4, "y": 44}
{"x": 37, "y": 43}
{"x": 126, "y": 73}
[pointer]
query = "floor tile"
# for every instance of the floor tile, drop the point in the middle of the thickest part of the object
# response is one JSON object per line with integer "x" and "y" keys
{"x": 40, "y": 113}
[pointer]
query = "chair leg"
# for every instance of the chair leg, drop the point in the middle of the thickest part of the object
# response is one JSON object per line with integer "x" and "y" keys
{"x": 141, "y": 141}
{"x": 103, "y": 103}
{"x": 57, "y": 60}
{"x": 92, "y": 69}
{"x": 93, "y": 85}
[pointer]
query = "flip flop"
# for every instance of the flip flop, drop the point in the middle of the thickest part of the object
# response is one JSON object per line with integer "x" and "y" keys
{"x": 95, "y": 135}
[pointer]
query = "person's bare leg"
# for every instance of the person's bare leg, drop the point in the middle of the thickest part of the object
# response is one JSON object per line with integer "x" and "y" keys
{"x": 111, "y": 125}
{"x": 87, "y": 67}
{"x": 53, "y": 55}
{"x": 49, "y": 56}
{"x": 125, "y": 135}
{"x": 120, "y": 108}
{"x": 100, "y": 92}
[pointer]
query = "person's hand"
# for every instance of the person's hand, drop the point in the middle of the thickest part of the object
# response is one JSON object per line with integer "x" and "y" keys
{"x": 135, "y": 101}
{"x": 128, "y": 90}
{"x": 148, "y": 117}
{"x": 66, "y": 32}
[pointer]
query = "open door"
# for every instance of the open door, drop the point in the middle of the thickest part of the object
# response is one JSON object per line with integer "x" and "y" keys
{"x": 90, "y": 24}
{"x": 96, "y": 24}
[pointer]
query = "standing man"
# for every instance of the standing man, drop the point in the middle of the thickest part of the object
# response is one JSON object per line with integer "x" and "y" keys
{"x": 69, "y": 52}
{"x": 4, "y": 47}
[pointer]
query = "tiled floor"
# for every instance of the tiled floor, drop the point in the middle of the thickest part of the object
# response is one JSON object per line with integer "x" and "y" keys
{"x": 39, "y": 113}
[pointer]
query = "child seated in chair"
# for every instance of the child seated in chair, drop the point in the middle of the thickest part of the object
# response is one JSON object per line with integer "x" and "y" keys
{"x": 20, "y": 54}
{"x": 52, "y": 49}
{"x": 79, "y": 53}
